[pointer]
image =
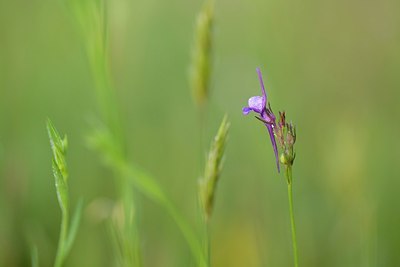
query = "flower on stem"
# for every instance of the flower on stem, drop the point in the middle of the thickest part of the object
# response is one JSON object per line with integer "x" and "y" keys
{"x": 286, "y": 135}
{"x": 258, "y": 104}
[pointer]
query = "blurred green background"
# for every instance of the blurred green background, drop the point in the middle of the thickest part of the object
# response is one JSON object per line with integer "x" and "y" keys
{"x": 333, "y": 66}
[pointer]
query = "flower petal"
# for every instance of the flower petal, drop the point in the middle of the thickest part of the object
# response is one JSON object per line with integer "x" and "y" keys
{"x": 246, "y": 110}
{"x": 264, "y": 93}
{"x": 272, "y": 137}
{"x": 256, "y": 103}
{"x": 268, "y": 117}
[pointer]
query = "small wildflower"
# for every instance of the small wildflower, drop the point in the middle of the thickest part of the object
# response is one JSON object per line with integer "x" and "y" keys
{"x": 258, "y": 104}
{"x": 285, "y": 133}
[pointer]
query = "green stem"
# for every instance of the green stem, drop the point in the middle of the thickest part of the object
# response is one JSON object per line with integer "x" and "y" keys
{"x": 132, "y": 255}
{"x": 207, "y": 244}
{"x": 92, "y": 15}
{"x": 62, "y": 241}
{"x": 187, "y": 232}
{"x": 34, "y": 256}
{"x": 293, "y": 224}
{"x": 146, "y": 184}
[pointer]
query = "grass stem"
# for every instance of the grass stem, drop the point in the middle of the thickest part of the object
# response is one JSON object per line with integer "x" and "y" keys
{"x": 207, "y": 243}
{"x": 62, "y": 241}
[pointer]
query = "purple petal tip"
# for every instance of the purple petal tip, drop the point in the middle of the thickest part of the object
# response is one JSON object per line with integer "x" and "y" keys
{"x": 246, "y": 110}
{"x": 264, "y": 93}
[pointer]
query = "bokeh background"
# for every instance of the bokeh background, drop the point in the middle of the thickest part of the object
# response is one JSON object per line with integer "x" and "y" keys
{"x": 333, "y": 66}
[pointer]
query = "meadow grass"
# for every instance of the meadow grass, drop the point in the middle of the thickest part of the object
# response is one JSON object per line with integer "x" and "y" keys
{"x": 90, "y": 16}
{"x": 209, "y": 180}
{"x": 68, "y": 229}
{"x": 200, "y": 77}
{"x": 201, "y": 65}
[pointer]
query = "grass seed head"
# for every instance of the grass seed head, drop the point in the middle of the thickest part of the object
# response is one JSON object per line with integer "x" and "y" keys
{"x": 213, "y": 168}
{"x": 201, "y": 55}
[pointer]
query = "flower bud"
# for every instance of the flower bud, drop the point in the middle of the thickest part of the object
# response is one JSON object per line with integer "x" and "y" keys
{"x": 286, "y": 135}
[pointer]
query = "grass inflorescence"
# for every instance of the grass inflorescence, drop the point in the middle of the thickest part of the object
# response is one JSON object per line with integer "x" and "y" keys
{"x": 200, "y": 70}
{"x": 60, "y": 171}
{"x": 108, "y": 141}
{"x": 213, "y": 168}
{"x": 208, "y": 182}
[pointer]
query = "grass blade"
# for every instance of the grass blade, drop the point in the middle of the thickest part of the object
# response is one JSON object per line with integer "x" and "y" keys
{"x": 76, "y": 219}
{"x": 34, "y": 256}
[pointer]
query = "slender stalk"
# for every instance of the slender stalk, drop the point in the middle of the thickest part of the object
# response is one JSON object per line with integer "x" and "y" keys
{"x": 207, "y": 243}
{"x": 92, "y": 16}
{"x": 62, "y": 241}
{"x": 293, "y": 224}
{"x": 203, "y": 217}
{"x": 205, "y": 239}
{"x": 149, "y": 187}
{"x": 187, "y": 231}
{"x": 132, "y": 255}
{"x": 34, "y": 256}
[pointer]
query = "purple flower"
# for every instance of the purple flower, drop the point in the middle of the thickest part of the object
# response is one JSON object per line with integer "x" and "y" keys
{"x": 258, "y": 104}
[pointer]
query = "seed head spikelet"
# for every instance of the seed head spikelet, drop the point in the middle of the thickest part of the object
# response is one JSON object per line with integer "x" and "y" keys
{"x": 201, "y": 55}
{"x": 213, "y": 168}
{"x": 68, "y": 231}
{"x": 59, "y": 164}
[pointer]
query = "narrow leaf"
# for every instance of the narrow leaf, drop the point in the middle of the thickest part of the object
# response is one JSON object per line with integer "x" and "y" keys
{"x": 34, "y": 256}
{"x": 76, "y": 219}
